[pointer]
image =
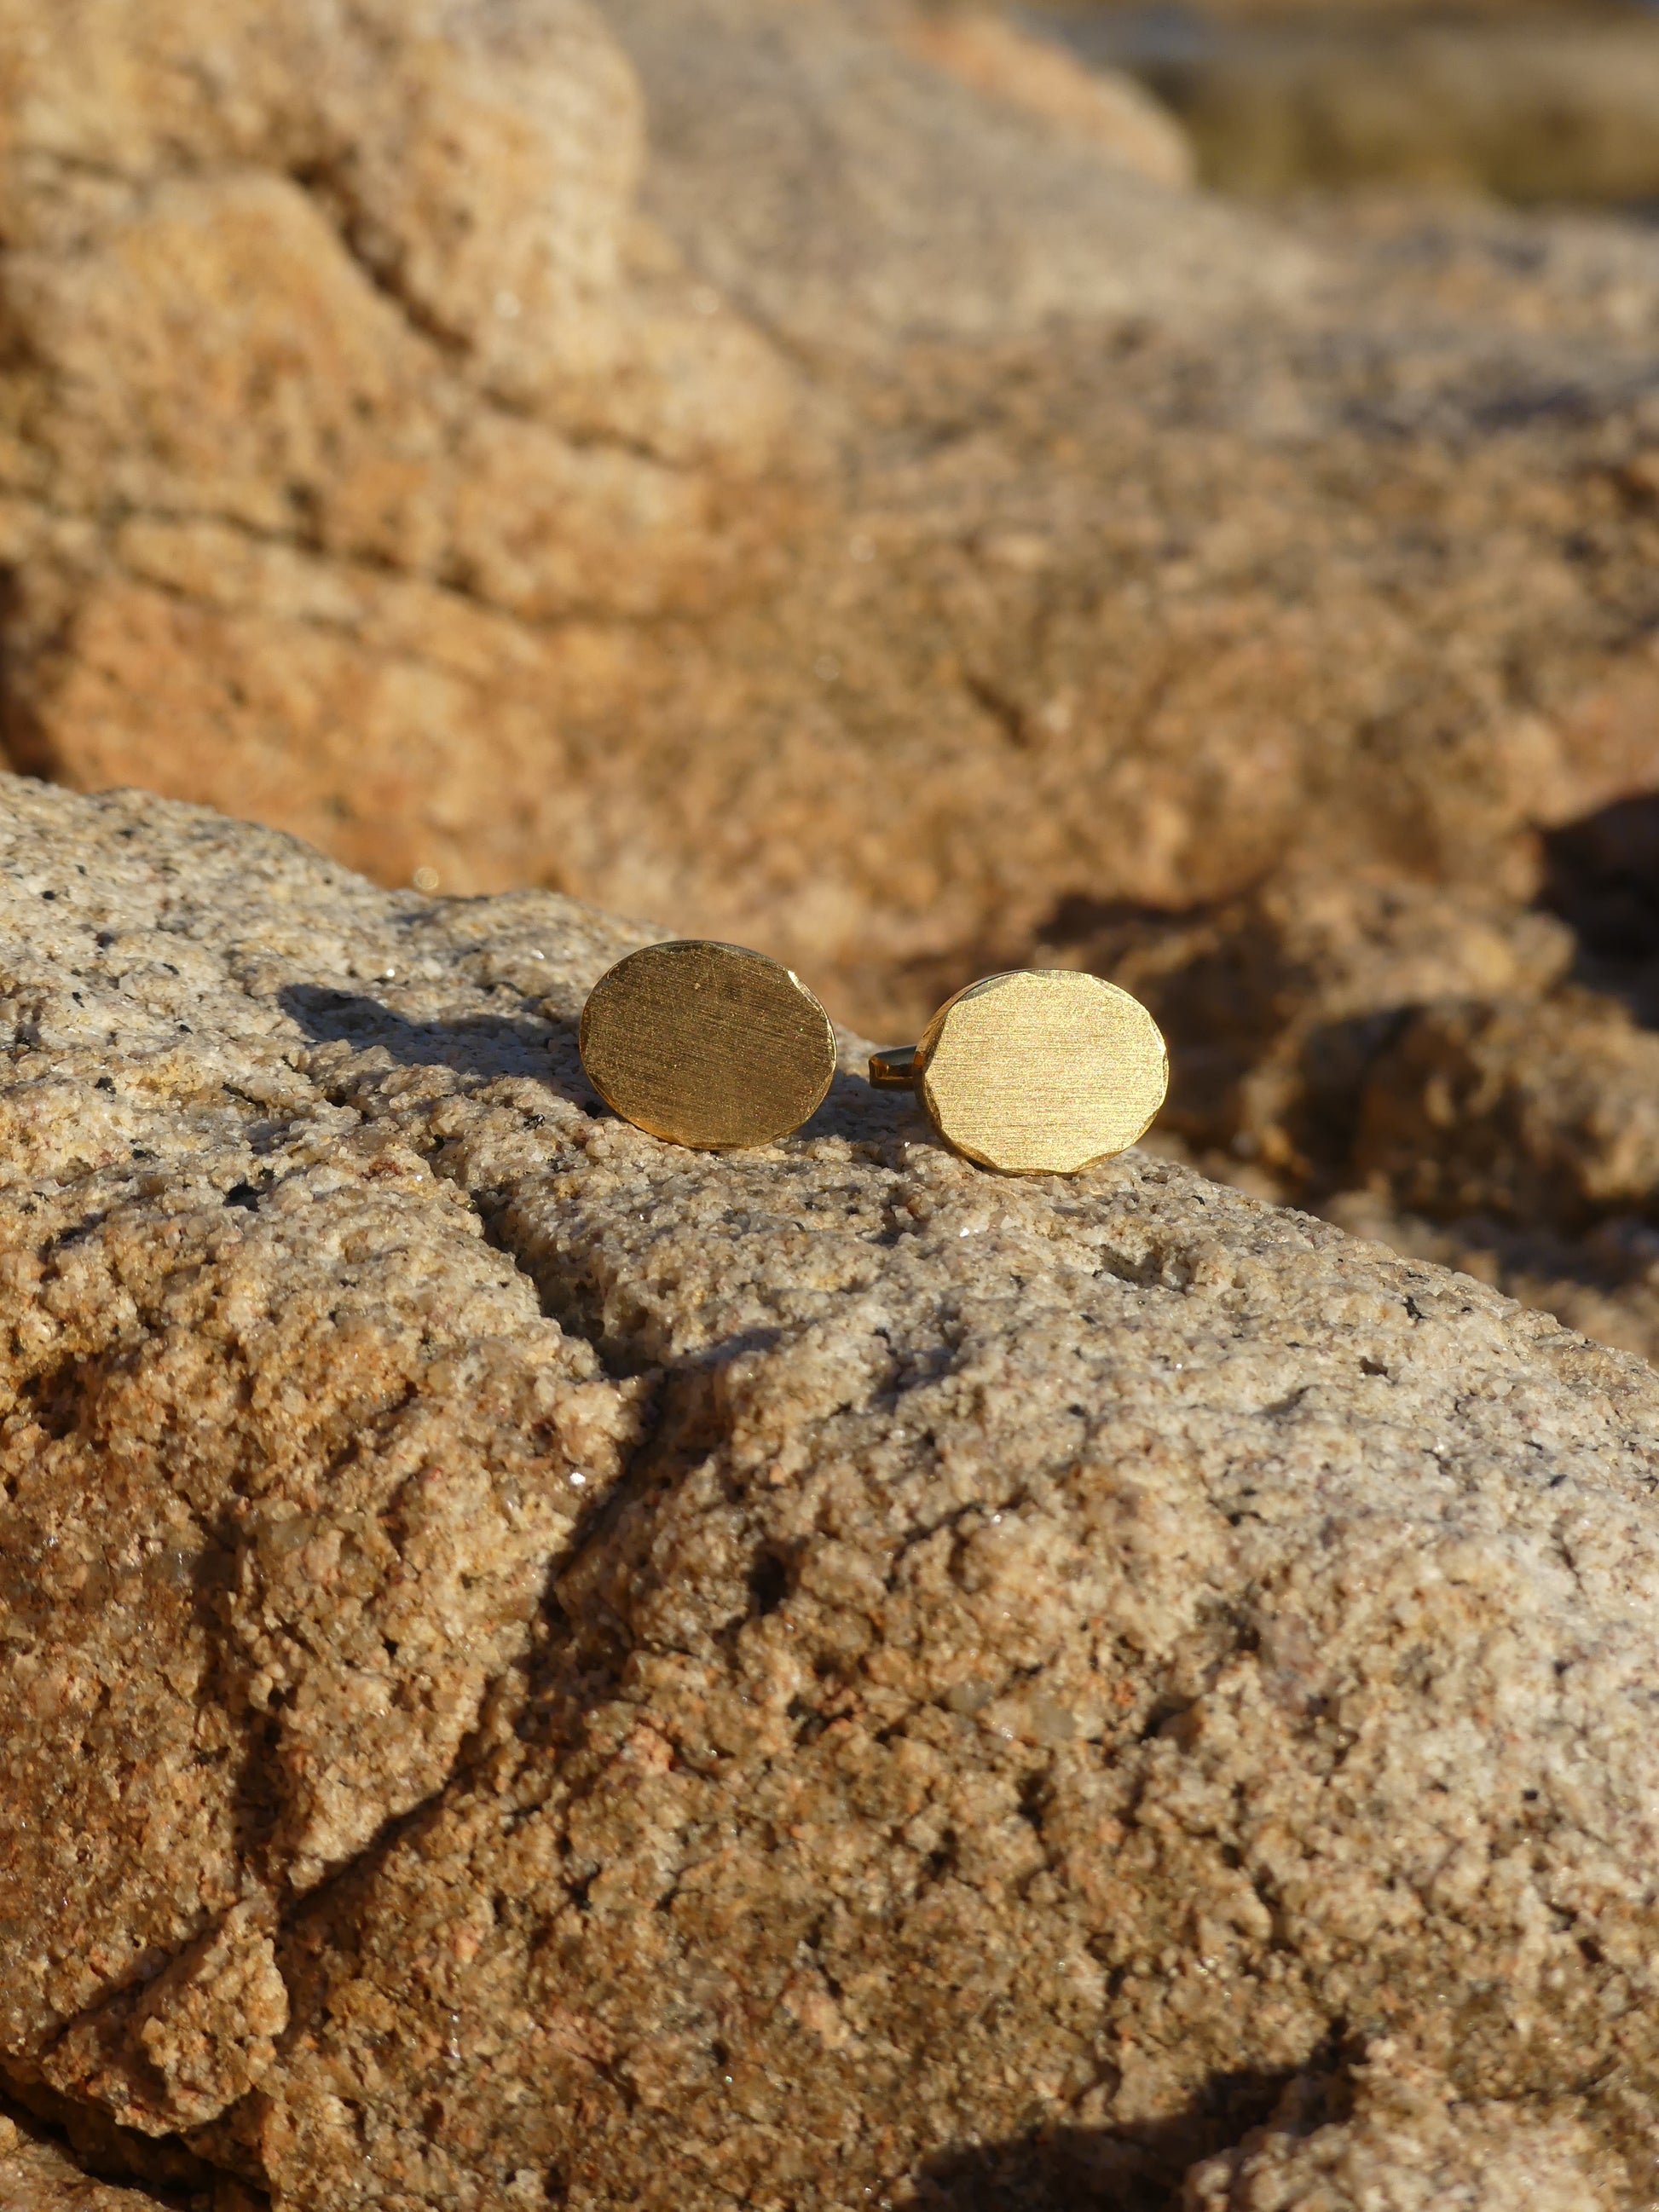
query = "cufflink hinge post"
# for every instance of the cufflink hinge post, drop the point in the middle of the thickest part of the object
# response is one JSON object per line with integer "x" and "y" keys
{"x": 895, "y": 1069}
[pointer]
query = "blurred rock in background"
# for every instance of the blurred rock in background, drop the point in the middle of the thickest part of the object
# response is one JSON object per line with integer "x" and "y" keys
{"x": 1533, "y": 102}
{"x": 815, "y": 472}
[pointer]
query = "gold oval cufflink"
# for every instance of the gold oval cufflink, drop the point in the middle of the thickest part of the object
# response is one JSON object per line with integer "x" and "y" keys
{"x": 1040, "y": 1072}
{"x": 707, "y": 1044}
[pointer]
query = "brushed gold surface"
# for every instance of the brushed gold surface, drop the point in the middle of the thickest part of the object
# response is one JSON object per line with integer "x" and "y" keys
{"x": 707, "y": 1044}
{"x": 1040, "y": 1072}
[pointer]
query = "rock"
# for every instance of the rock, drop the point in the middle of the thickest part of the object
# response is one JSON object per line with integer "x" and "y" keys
{"x": 36, "y": 2176}
{"x": 1549, "y": 1113}
{"x": 1106, "y": 112}
{"x": 179, "y": 2051}
{"x": 347, "y": 375}
{"x": 758, "y": 1677}
{"x": 362, "y": 427}
{"x": 1279, "y": 1004}
{"x": 1354, "y": 16}
{"x": 394, "y": 452}
{"x": 793, "y": 151}
{"x": 1407, "y": 2145}
{"x": 1603, "y": 878}
{"x": 175, "y": 1604}
{"x": 1465, "y": 1078}
{"x": 910, "y": 600}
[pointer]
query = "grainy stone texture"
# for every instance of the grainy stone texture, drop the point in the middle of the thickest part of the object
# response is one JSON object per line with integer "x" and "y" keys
{"x": 1107, "y": 113}
{"x": 787, "y": 463}
{"x": 348, "y": 373}
{"x": 1404, "y": 2147}
{"x": 750, "y": 1680}
{"x": 1464, "y": 1077}
{"x": 362, "y": 426}
{"x": 200, "y": 2032}
{"x": 856, "y": 585}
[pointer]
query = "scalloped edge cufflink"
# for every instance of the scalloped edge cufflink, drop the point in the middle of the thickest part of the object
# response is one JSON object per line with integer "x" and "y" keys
{"x": 1042, "y": 1071}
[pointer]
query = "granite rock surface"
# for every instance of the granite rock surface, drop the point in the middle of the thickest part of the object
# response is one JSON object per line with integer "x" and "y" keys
{"x": 546, "y": 1667}
{"x": 1404, "y": 2146}
{"x": 852, "y": 190}
{"x": 956, "y": 545}
{"x": 1457, "y": 1074}
{"x": 367, "y": 428}
{"x": 994, "y": 54}
{"x": 947, "y": 549}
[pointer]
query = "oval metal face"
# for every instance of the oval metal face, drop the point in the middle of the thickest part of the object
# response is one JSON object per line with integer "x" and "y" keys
{"x": 1042, "y": 1073}
{"x": 707, "y": 1044}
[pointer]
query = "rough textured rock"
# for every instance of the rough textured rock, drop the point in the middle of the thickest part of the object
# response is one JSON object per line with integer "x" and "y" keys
{"x": 35, "y": 2175}
{"x": 411, "y": 434}
{"x": 1406, "y": 2147}
{"x": 336, "y": 373}
{"x": 177, "y": 2052}
{"x": 1461, "y": 1077}
{"x": 752, "y": 1678}
{"x": 1545, "y": 1113}
{"x": 1360, "y": 13}
{"x": 361, "y": 431}
{"x": 1276, "y": 1005}
{"x": 1087, "y": 542}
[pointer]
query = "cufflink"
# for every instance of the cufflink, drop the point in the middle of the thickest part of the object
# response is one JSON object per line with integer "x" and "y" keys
{"x": 1040, "y": 1072}
{"x": 706, "y": 1044}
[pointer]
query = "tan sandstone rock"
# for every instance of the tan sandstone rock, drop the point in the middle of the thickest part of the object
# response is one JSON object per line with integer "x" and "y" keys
{"x": 756, "y": 1678}
{"x": 1277, "y": 1006}
{"x": 854, "y": 184}
{"x": 486, "y": 450}
{"x": 526, "y": 446}
{"x": 176, "y": 2053}
{"x": 347, "y": 377}
{"x": 1545, "y": 1113}
{"x": 1364, "y": 13}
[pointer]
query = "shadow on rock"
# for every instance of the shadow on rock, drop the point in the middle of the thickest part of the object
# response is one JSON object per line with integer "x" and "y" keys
{"x": 482, "y": 1046}
{"x": 1602, "y": 878}
{"x": 853, "y": 1109}
{"x": 485, "y": 1047}
{"x": 1097, "y": 2169}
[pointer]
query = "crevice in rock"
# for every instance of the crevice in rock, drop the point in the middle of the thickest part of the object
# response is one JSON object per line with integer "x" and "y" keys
{"x": 583, "y": 1657}
{"x": 1004, "y": 711}
{"x": 23, "y": 744}
{"x": 158, "y": 2168}
{"x": 325, "y": 184}
{"x": 173, "y": 2175}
